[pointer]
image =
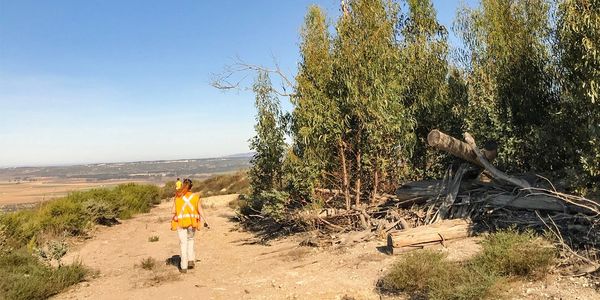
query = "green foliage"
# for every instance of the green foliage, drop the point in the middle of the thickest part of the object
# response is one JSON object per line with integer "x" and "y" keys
{"x": 505, "y": 254}
{"x": 22, "y": 276}
{"x": 368, "y": 87}
{"x": 509, "y": 253}
{"x": 54, "y": 250}
{"x": 424, "y": 50}
{"x": 511, "y": 94}
{"x": 271, "y": 204}
{"x": 236, "y": 183}
{"x": 315, "y": 127}
{"x": 578, "y": 44}
{"x": 153, "y": 239}
{"x": 269, "y": 143}
{"x": 74, "y": 214}
{"x": 428, "y": 274}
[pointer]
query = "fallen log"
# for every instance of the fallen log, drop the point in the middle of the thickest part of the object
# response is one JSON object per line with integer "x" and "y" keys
{"x": 528, "y": 202}
{"x": 437, "y": 232}
{"x": 458, "y": 148}
{"x": 418, "y": 192}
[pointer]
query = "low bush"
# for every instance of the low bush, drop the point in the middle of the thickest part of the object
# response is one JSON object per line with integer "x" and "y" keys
{"x": 22, "y": 276}
{"x": 510, "y": 253}
{"x": 506, "y": 254}
{"x": 153, "y": 239}
{"x": 148, "y": 263}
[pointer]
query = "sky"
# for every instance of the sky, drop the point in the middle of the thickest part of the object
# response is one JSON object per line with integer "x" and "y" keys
{"x": 113, "y": 81}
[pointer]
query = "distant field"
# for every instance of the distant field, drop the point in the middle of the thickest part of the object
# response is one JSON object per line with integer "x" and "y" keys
{"x": 27, "y": 194}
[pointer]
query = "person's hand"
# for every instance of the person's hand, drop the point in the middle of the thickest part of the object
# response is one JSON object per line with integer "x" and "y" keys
{"x": 175, "y": 218}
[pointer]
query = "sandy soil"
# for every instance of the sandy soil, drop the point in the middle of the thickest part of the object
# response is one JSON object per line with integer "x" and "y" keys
{"x": 231, "y": 265}
{"x": 12, "y": 193}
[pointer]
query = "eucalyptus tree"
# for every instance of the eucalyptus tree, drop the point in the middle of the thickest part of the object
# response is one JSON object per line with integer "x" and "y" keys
{"x": 269, "y": 142}
{"x": 316, "y": 126}
{"x": 579, "y": 51}
{"x": 511, "y": 91}
{"x": 367, "y": 88}
{"x": 424, "y": 49}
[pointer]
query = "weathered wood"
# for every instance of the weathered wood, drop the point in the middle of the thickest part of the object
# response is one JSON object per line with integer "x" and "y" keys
{"x": 532, "y": 202}
{"x": 495, "y": 173}
{"x": 460, "y": 149}
{"x": 437, "y": 232}
{"x": 418, "y": 192}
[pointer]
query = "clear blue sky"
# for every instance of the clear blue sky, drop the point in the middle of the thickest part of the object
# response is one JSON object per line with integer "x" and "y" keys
{"x": 106, "y": 81}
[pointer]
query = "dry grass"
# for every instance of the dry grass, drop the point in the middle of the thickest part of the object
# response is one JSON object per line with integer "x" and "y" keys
{"x": 148, "y": 263}
{"x": 295, "y": 254}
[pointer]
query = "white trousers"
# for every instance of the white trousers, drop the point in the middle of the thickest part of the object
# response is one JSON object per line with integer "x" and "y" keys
{"x": 186, "y": 241}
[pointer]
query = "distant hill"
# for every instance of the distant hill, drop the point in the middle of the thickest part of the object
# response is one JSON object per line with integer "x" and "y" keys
{"x": 241, "y": 155}
{"x": 153, "y": 170}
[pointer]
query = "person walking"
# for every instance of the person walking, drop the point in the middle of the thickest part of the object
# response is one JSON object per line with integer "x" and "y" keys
{"x": 178, "y": 184}
{"x": 187, "y": 215}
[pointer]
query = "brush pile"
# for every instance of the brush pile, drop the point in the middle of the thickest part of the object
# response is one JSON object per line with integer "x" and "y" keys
{"x": 473, "y": 197}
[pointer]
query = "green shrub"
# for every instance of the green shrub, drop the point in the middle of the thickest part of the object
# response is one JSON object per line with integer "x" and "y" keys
{"x": 415, "y": 272}
{"x": 510, "y": 253}
{"x": 153, "y": 239}
{"x": 22, "y": 276}
{"x": 72, "y": 215}
{"x": 505, "y": 254}
{"x": 168, "y": 190}
{"x": 270, "y": 204}
{"x": 428, "y": 274}
{"x": 236, "y": 183}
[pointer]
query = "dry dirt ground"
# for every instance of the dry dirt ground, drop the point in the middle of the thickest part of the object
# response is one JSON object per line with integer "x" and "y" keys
{"x": 231, "y": 265}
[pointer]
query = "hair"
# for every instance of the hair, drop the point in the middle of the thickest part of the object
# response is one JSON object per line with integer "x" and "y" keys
{"x": 178, "y": 178}
{"x": 185, "y": 188}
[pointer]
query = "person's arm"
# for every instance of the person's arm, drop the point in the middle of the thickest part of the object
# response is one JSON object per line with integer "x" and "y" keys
{"x": 201, "y": 213}
{"x": 174, "y": 211}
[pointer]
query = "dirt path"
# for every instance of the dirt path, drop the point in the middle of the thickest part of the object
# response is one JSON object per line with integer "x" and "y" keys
{"x": 229, "y": 267}
{"x": 232, "y": 266}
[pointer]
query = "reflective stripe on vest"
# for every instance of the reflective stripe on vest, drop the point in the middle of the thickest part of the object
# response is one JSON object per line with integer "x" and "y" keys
{"x": 187, "y": 210}
{"x": 186, "y": 203}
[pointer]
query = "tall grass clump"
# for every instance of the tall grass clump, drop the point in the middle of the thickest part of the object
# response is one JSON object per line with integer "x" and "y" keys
{"x": 506, "y": 255}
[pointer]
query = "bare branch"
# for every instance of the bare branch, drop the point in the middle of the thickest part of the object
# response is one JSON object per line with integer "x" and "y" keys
{"x": 223, "y": 80}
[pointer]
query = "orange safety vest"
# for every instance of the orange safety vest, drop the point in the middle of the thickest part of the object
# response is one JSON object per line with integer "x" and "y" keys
{"x": 186, "y": 208}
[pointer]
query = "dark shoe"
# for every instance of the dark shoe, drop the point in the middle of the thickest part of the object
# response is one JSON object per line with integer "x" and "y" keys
{"x": 183, "y": 271}
{"x": 191, "y": 264}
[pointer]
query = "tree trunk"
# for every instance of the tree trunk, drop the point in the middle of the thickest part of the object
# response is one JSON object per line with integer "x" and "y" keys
{"x": 346, "y": 185}
{"x": 357, "y": 183}
{"x": 375, "y": 184}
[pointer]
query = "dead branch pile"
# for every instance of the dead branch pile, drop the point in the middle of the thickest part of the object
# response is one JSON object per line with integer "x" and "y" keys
{"x": 417, "y": 215}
